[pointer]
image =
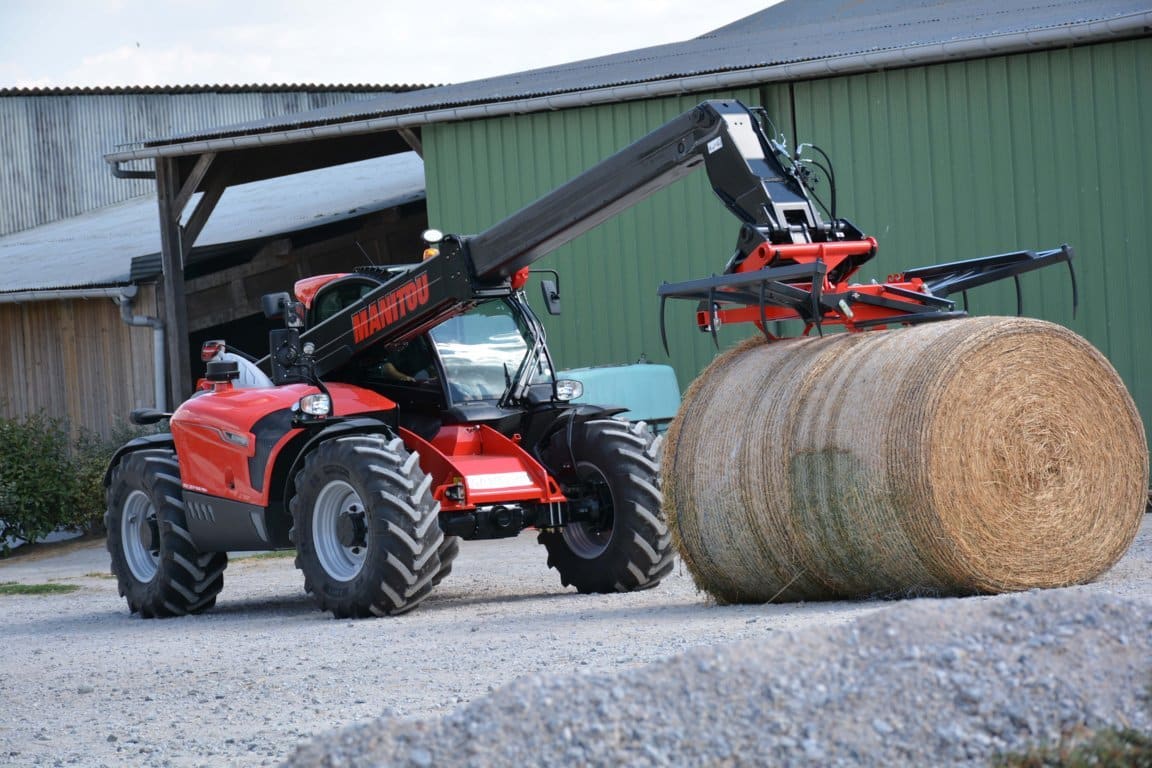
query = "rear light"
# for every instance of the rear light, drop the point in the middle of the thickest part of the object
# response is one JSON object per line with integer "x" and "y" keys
{"x": 211, "y": 349}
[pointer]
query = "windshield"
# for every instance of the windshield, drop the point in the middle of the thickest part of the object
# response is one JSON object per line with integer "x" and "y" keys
{"x": 483, "y": 351}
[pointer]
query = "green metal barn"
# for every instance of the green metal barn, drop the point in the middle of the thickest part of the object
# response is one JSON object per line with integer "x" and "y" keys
{"x": 941, "y": 160}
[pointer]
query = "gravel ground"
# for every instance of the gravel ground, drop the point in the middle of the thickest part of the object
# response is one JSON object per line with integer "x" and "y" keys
{"x": 502, "y": 666}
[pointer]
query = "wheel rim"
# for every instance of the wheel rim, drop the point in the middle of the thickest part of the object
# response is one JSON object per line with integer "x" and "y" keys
{"x": 339, "y": 530}
{"x": 139, "y": 536}
{"x": 590, "y": 540}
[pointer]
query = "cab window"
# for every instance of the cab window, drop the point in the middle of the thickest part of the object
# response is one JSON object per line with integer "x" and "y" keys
{"x": 335, "y": 297}
{"x": 482, "y": 351}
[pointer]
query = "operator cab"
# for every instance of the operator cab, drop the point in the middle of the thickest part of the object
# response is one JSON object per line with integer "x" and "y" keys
{"x": 461, "y": 371}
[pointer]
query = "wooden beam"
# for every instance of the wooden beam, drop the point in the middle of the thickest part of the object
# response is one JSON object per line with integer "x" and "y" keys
{"x": 192, "y": 183}
{"x": 199, "y": 216}
{"x": 172, "y": 262}
{"x": 412, "y": 140}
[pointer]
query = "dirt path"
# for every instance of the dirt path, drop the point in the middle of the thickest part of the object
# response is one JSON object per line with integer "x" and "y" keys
{"x": 83, "y": 683}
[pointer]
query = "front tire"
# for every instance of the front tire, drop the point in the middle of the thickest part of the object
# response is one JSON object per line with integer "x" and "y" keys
{"x": 630, "y": 547}
{"x": 366, "y": 529}
{"x": 157, "y": 568}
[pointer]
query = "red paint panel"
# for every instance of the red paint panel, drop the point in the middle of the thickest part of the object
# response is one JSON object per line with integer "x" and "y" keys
{"x": 214, "y": 435}
{"x": 490, "y": 467}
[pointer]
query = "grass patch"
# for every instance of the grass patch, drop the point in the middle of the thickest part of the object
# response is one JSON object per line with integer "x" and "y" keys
{"x": 16, "y": 588}
{"x": 1111, "y": 748}
{"x": 99, "y": 575}
{"x": 274, "y": 554}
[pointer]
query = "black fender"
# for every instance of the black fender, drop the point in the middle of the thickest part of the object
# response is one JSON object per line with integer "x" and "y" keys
{"x": 565, "y": 421}
{"x": 358, "y": 425}
{"x": 578, "y": 414}
{"x": 158, "y": 440}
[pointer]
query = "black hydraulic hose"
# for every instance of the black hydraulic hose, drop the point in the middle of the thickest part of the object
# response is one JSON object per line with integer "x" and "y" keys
{"x": 830, "y": 211}
{"x": 831, "y": 178}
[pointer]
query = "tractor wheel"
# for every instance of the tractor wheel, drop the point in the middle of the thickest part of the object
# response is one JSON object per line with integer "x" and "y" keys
{"x": 158, "y": 569}
{"x": 366, "y": 529}
{"x": 630, "y": 546}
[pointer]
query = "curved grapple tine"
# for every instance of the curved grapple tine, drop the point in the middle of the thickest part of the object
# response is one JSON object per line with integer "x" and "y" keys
{"x": 663, "y": 331}
{"x": 763, "y": 315}
{"x": 1019, "y": 296}
{"x": 1075, "y": 294}
{"x": 817, "y": 315}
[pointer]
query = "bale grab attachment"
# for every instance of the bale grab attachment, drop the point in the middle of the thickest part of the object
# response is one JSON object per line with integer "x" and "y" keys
{"x": 809, "y": 282}
{"x": 791, "y": 263}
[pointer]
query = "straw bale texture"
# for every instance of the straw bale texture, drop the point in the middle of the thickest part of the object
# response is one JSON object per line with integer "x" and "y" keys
{"x": 977, "y": 455}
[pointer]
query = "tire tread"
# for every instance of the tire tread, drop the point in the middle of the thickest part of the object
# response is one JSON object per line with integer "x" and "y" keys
{"x": 186, "y": 580}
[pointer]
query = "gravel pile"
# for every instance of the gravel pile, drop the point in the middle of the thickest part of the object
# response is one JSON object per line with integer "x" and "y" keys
{"x": 927, "y": 682}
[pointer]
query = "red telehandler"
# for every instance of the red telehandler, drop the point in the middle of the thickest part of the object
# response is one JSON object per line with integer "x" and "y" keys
{"x": 402, "y": 409}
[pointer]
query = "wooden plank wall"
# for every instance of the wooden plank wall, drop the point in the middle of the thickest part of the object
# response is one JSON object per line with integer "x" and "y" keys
{"x": 76, "y": 360}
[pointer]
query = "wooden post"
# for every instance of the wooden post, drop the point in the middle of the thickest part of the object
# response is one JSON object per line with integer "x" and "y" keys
{"x": 172, "y": 261}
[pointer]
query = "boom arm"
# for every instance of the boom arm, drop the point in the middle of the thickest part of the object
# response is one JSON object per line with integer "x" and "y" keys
{"x": 743, "y": 166}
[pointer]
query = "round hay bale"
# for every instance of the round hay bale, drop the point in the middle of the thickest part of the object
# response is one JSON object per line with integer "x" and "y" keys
{"x": 977, "y": 455}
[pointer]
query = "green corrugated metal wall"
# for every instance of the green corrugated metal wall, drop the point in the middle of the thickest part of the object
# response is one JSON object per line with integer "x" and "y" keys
{"x": 479, "y": 172}
{"x": 939, "y": 162}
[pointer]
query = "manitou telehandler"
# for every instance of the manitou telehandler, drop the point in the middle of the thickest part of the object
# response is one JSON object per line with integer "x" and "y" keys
{"x": 401, "y": 409}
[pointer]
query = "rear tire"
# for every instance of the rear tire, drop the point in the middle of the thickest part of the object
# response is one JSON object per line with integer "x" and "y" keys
{"x": 157, "y": 568}
{"x": 366, "y": 529}
{"x": 617, "y": 463}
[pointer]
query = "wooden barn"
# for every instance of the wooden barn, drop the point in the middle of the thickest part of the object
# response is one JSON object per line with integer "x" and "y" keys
{"x": 82, "y": 334}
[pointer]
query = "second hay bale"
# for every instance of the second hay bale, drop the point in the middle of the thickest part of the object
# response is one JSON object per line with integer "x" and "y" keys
{"x": 976, "y": 455}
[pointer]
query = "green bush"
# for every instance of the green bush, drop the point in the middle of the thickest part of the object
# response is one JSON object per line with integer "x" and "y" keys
{"x": 50, "y": 479}
{"x": 89, "y": 460}
{"x": 36, "y": 487}
{"x": 1110, "y": 748}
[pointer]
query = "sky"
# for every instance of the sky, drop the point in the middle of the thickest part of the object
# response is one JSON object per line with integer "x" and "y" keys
{"x": 83, "y": 43}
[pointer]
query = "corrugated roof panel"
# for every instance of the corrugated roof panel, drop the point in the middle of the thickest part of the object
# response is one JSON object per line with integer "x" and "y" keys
{"x": 98, "y": 248}
{"x": 791, "y": 32}
{"x": 136, "y": 90}
{"x": 53, "y": 146}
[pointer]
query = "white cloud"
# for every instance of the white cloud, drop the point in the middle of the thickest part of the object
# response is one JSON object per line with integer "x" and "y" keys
{"x": 136, "y": 42}
{"x": 181, "y": 64}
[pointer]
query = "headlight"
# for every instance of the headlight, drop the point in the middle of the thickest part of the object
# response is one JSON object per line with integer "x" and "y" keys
{"x": 319, "y": 405}
{"x": 569, "y": 389}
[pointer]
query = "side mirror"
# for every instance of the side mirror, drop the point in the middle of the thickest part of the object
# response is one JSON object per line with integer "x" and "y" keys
{"x": 280, "y": 305}
{"x": 273, "y": 304}
{"x": 551, "y": 296}
{"x": 145, "y": 416}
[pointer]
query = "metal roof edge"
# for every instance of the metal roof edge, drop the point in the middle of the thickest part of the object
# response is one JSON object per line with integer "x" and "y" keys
{"x": 167, "y": 90}
{"x": 114, "y": 292}
{"x": 929, "y": 53}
